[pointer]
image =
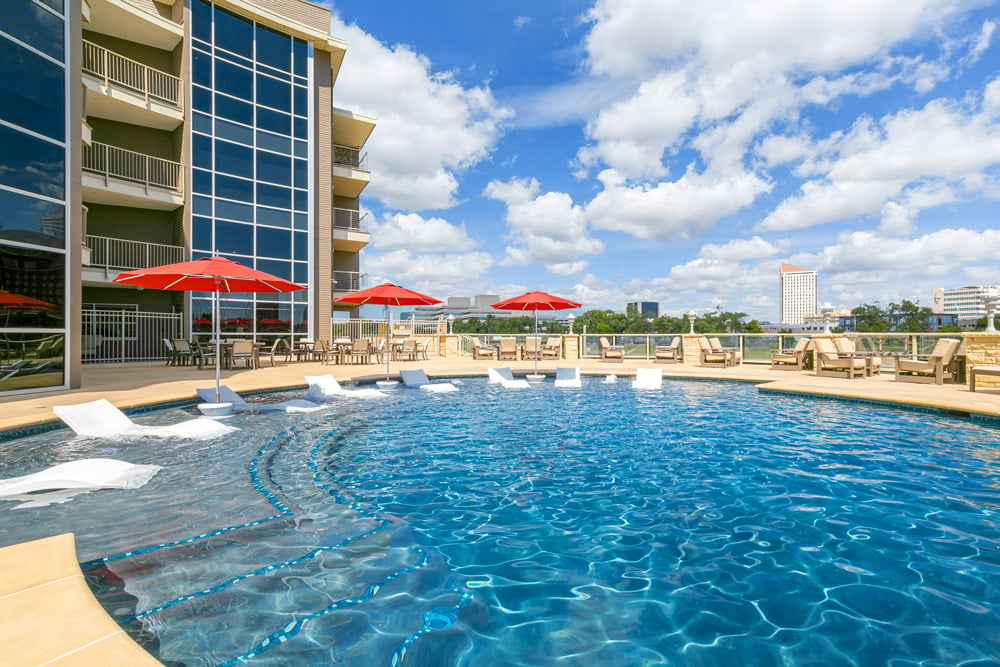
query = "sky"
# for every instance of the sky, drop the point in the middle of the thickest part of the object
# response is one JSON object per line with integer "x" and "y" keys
{"x": 674, "y": 151}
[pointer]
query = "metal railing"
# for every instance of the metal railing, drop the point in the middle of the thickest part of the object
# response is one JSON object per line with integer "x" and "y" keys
{"x": 119, "y": 336}
{"x": 113, "y": 253}
{"x": 112, "y": 68}
{"x": 111, "y": 161}
{"x": 422, "y": 330}
{"x": 345, "y": 218}
{"x": 351, "y": 157}
{"x": 349, "y": 281}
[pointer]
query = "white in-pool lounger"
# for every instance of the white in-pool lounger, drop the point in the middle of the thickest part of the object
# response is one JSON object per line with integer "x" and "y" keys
{"x": 568, "y": 377}
{"x": 418, "y": 378}
{"x": 504, "y": 378}
{"x": 648, "y": 378}
{"x": 326, "y": 388}
{"x": 61, "y": 482}
{"x": 100, "y": 419}
{"x": 227, "y": 395}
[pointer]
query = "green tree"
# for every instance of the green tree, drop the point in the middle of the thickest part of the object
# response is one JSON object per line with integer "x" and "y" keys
{"x": 869, "y": 317}
{"x": 909, "y": 316}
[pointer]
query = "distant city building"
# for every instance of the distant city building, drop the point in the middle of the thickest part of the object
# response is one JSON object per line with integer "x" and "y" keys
{"x": 463, "y": 308}
{"x": 798, "y": 294}
{"x": 644, "y": 308}
{"x": 966, "y": 303}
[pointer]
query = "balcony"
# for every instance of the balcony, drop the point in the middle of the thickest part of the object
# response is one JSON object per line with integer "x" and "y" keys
{"x": 350, "y": 230}
{"x": 109, "y": 256}
{"x": 350, "y": 128}
{"x": 125, "y": 90}
{"x": 140, "y": 22}
{"x": 345, "y": 282}
{"x": 120, "y": 177}
{"x": 350, "y": 171}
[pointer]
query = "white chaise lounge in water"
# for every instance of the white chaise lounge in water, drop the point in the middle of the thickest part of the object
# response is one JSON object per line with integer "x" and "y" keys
{"x": 227, "y": 395}
{"x": 418, "y": 378}
{"x": 75, "y": 477}
{"x": 568, "y": 377}
{"x": 100, "y": 419}
{"x": 326, "y": 388}
{"x": 504, "y": 378}
{"x": 648, "y": 378}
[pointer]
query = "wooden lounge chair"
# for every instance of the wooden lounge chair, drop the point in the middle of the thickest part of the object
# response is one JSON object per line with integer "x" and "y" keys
{"x": 931, "y": 368}
{"x": 532, "y": 347}
{"x": 735, "y": 355}
{"x": 482, "y": 351}
{"x": 611, "y": 352}
{"x": 831, "y": 363}
{"x": 668, "y": 354}
{"x": 793, "y": 359}
{"x": 508, "y": 349}
{"x": 712, "y": 356}
{"x": 552, "y": 348}
{"x": 873, "y": 362}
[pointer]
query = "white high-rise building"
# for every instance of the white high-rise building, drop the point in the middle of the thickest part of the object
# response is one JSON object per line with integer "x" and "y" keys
{"x": 798, "y": 294}
{"x": 966, "y": 302}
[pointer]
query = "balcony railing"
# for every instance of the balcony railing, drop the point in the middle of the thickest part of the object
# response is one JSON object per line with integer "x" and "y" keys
{"x": 109, "y": 253}
{"x": 349, "y": 281}
{"x": 115, "y": 69}
{"x": 344, "y": 218}
{"x": 111, "y": 161}
{"x": 350, "y": 157}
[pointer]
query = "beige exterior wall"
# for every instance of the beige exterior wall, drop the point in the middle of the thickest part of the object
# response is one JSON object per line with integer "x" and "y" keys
{"x": 322, "y": 288}
{"x": 983, "y": 349}
{"x": 74, "y": 205}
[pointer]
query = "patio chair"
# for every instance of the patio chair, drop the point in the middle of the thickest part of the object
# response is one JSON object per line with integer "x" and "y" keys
{"x": 242, "y": 352}
{"x": 325, "y": 388}
{"x": 227, "y": 395}
{"x": 552, "y": 348}
{"x": 568, "y": 377}
{"x": 504, "y": 378}
{"x": 422, "y": 349}
{"x": 712, "y": 356}
{"x": 360, "y": 351}
{"x": 648, "y": 378}
{"x": 932, "y": 368}
{"x": 481, "y": 350}
{"x": 668, "y": 354}
{"x": 873, "y": 362}
{"x": 508, "y": 349}
{"x": 172, "y": 359}
{"x": 532, "y": 347}
{"x": 833, "y": 364}
{"x": 418, "y": 379}
{"x": 278, "y": 349}
{"x": 792, "y": 359}
{"x": 183, "y": 353}
{"x": 101, "y": 419}
{"x": 204, "y": 353}
{"x": 735, "y": 356}
{"x": 409, "y": 350}
{"x": 611, "y": 352}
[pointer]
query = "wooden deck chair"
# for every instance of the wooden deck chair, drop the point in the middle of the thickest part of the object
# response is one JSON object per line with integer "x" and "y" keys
{"x": 932, "y": 368}
{"x": 833, "y": 364}
{"x": 611, "y": 352}
{"x": 792, "y": 359}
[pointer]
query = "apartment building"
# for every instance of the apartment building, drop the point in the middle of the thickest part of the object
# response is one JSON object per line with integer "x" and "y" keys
{"x": 966, "y": 303}
{"x": 145, "y": 132}
{"x": 798, "y": 294}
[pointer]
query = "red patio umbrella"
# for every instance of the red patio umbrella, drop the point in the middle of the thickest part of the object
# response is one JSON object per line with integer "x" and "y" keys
{"x": 536, "y": 301}
{"x": 387, "y": 295}
{"x": 208, "y": 274}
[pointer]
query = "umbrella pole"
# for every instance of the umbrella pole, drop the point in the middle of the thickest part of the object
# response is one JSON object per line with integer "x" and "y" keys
{"x": 537, "y": 351}
{"x": 218, "y": 345}
{"x": 388, "y": 339}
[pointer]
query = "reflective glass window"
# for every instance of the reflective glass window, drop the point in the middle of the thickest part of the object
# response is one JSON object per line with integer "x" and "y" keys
{"x": 55, "y": 4}
{"x": 301, "y": 149}
{"x": 201, "y": 151}
{"x": 31, "y": 164}
{"x": 274, "y": 93}
{"x": 272, "y": 195}
{"x": 202, "y": 99}
{"x": 233, "y": 237}
{"x": 32, "y": 91}
{"x": 300, "y": 243}
{"x": 233, "y": 210}
{"x": 29, "y": 220}
{"x": 273, "y": 216}
{"x": 33, "y": 25}
{"x": 274, "y": 142}
{"x": 233, "y": 33}
{"x": 202, "y": 123}
{"x": 274, "y": 168}
{"x": 301, "y": 128}
{"x": 233, "y": 80}
{"x": 274, "y": 49}
{"x": 301, "y": 275}
{"x": 301, "y": 100}
{"x": 233, "y": 131}
{"x": 201, "y": 17}
{"x": 274, "y": 121}
{"x": 201, "y": 232}
{"x": 233, "y": 188}
{"x": 274, "y": 243}
{"x": 228, "y": 107}
{"x": 233, "y": 159}
{"x": 201, "y": 68}
{"x": 202, "y": 181}
{"x": 35, "y": 275}
{"x": 301, "y": 200}
{"x": 301, "y": 174}
{"x": 202, "y": 205}
{"x": 275, "y": 268}
{"x": 301, "y": 221}
{"x": 301, "y": 64}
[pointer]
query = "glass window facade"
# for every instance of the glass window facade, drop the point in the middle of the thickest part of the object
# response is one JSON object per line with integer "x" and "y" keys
{"x": 33, "y": 196}
{"x": 250, "y": 92}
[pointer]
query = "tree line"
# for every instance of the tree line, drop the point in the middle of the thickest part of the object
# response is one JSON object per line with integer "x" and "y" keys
{"x": 612, "y": 322}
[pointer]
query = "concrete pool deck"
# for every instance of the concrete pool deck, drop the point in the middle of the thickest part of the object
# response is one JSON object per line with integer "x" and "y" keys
{"x": 42, "y": 582}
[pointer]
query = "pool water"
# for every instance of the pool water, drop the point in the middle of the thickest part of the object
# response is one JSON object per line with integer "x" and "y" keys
{"x": 701, "y": 524}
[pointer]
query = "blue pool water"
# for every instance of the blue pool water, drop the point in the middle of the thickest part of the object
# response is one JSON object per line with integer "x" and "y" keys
{"x": 702, "y": 524}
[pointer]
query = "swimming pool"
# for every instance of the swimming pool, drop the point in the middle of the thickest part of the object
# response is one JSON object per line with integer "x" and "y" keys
{"x": 704, "y": 523}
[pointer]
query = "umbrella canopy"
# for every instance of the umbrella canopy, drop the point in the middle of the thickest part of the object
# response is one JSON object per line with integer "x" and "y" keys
{"x": 19, "y": 301}
{"x": 536, "y": 301}
{"x": 208, "y": 274}
{"x": 387, "y": 295}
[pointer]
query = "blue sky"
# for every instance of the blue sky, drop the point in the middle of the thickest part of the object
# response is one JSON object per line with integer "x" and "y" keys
{"x": 663, "y": 150}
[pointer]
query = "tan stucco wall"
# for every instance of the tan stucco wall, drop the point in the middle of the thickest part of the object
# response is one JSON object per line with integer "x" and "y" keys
{"x": 983, "y": 349}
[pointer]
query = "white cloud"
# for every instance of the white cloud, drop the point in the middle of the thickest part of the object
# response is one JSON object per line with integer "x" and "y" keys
{"x": 544, "y": 227}
{"x": 739, "y": 250}
{"x": 982, "y": 43}
{"x": 897, "y": 220}
{"x": 429, "y": 127}
{"x": 412, "y": 232}
{"x": 437, "y": 275}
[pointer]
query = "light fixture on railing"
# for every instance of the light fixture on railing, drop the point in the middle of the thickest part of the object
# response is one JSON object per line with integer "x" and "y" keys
{"x": 691, "y": 315}
{"x": 570, "y": 319}
{"x": 991, "y": 298}
{"x": 827, "y": 310}
{"x": 451, "y": 322}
